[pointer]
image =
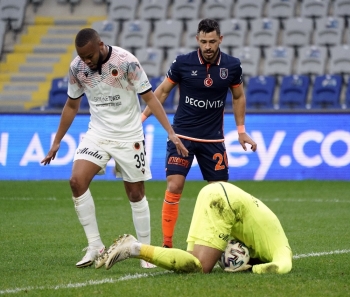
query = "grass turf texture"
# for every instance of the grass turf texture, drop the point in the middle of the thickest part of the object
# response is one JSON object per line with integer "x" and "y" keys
{"x": 41, "y": 240}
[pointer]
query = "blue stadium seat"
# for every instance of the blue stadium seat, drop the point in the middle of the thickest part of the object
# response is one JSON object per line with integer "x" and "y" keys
{"x": 294, "y": 91}
{"x": 169, "y": 103}
{"x": 347, "y": 96}
{"x": 326, "y": 91}
{"x": 58, "y": 93}
{"x": 260, "y": 92}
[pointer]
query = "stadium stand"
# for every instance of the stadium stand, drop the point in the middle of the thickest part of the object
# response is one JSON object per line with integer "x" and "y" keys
{"x": 341, "y": 8}
{"x": 314, "y": 9}
{"x": 186, "y": 9}
{"x": 135, "y": 35}
{"x": 250, "y": 60}
{"x": 72, "y": 3}
{"x": 151, "y": 60}
{"x": 234, "y": 32}
{"x": 36, "y": 4}
{"x": 339, "y": 62}
{"x": 255, "y": 31}
{"x": 326, "y": 92}
{"x": 347, "y": 96}
{"x": 2, "y": 35}
{"x": 167, "y": 34}
{"x": 312, "y": 60}
{"x": 121, "y": 11}
{"x": 297, "y": 32}
{"x": 281, "y": 10}
{"x": 249, "y": 9}
{"x": 172, "y": 54}
{"x": 293, "y": 92}
{"x": 12, "y": 12}
{"x": 278, "y": 61}
{"x": 108, "y": 31}
{"x": 329, "y": 31}
{"x": 217, "y": 9}
{"x": 190, "y": 35}
{"x": 260, "y": 92}
{"x": 154, "y": 10}
{"x": 264, "y": 32}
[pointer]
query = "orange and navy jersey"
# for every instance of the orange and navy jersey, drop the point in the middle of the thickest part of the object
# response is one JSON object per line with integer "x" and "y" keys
{"x": 203, "y": 89}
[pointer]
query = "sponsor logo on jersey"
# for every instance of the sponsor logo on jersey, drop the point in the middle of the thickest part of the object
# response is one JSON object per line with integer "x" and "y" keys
{"x": 178, "y": 161}
{"x": 86, "y": 151}
{"x": 106, "y": 98}
{"x": 144, "y": 85}
{"x": 207, "y": 104}
{"x": 224, "y": 237}
{"x": 223, "y": 73}
{"x": 194, "y": 73}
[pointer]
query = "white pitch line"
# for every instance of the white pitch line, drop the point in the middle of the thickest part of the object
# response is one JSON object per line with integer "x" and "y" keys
{"x": 321, "y": 254}
{"x": 137, "y": 276}
{"x": 27, "y": 198}
{"x": 305, "y": 200}
{"x": 84, "y": 284}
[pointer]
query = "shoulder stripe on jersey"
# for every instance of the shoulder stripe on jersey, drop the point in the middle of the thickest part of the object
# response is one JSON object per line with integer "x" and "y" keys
{"x": 170, "y": 80}
{"x": 236, "y": 86}
{"x": 200, "y": 140}
{"x": 150, "y": 89}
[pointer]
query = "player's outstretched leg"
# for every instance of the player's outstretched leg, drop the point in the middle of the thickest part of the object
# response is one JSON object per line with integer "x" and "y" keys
{"x": 127, "y": 246}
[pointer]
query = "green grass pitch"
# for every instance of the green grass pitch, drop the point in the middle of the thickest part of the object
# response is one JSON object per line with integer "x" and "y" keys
{"x": 41, "y": 240}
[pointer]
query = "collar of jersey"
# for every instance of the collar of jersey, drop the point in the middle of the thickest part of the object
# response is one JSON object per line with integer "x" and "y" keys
{"x": 202, "y": 61}
{"x": 105, "y": 60}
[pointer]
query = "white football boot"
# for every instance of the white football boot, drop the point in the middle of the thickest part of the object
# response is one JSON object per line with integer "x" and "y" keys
{"x": 119, "y": 250}
{"x": 90, "y": 256}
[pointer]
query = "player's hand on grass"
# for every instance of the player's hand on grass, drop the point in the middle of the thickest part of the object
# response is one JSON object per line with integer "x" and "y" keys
{"x": 51, "y": 154}
{"x": 181, "y": 150}
{"x": 244, "y": 138}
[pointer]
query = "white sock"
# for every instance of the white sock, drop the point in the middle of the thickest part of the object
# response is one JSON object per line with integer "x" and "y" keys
{"x": 135, "y": 249}
{"x": 85, "y": 209}
{"x": 141, "y": 217}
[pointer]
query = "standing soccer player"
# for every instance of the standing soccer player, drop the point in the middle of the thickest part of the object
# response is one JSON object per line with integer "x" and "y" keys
{"x": 111, "y": 78}
{"x": 204, "y": 77}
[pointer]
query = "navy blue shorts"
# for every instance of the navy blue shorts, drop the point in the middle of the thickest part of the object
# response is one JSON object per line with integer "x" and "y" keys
{"x": 211, "y": 158}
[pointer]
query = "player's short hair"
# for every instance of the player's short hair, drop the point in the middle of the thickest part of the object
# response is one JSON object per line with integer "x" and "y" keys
{"x": 84, "y": 36}
{"x": 208, "y": 25}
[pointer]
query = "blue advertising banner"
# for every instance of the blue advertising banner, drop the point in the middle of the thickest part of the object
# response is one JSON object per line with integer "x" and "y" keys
{"x": 290, "y": 147}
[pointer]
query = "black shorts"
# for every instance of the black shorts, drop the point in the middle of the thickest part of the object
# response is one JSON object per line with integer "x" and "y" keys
{"x": 211, "y": 157}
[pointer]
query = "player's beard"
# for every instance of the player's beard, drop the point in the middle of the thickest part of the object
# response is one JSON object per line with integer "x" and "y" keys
{"x": 213, "y": 56}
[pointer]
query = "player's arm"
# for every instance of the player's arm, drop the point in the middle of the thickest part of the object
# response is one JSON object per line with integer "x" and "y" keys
{"x": 239, "y": 105}
{"x": 69, "y": 112}
{"x": 157, "y": 109}
{"x": 162, "y": 92}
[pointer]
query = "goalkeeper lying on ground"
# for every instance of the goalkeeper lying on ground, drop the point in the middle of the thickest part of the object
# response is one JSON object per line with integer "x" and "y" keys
{"x": 222, "y": 211}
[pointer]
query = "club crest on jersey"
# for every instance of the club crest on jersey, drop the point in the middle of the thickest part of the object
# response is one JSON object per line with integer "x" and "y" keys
{"x": 223, "y": 73}
{"x": 137, "y": 146}
{"x": 114, "y": 72}
{"x": 208, "y": 82}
